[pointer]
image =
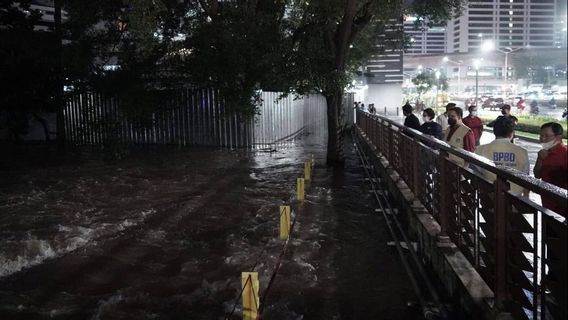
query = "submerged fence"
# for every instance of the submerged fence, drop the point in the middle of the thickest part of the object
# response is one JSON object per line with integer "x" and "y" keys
{"x": 517, "y": 246}
{"x": 189, "y": 117}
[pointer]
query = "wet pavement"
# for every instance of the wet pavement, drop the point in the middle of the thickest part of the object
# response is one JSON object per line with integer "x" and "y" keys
{"x": 166, "y": 234}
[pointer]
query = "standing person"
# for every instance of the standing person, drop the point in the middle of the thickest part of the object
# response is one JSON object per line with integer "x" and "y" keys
{"x": 411, "y": 120}
{"x": 430, "y": 127}
{"x": 458, "y": 135}
{"x": 442, "y": 119}
{"x": 506, "y": 110}
{"x": 552, "y": 162}
{"x": 474, "y": 123}
{"x": 502, "y": 152}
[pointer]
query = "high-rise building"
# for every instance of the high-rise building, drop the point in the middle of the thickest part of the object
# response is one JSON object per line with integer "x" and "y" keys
{"x": 509, "y": 23}
{"x": 47, "y": 11}
{"x": 424, "y": 39}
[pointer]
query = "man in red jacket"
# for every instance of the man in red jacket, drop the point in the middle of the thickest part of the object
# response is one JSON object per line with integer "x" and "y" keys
{"x": 552, "y": 163}
{"x": 474, "y": 123}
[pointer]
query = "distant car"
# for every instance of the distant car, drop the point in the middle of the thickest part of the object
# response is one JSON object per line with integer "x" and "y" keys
{"x": 489, "y": 103}
{"x": 513, "y": 100}
{"x": 471, "y": 101}
{"x": 498, "y": 103}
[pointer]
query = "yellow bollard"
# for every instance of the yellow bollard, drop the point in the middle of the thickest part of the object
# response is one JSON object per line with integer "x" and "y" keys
{"x": 300, "y": 189}
{"x": 307, "y": 171}
{"x": 251, "y": 300}
{"x": 284, "y": 222}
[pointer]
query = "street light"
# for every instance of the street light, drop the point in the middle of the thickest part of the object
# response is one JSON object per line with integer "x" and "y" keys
{"x": 459, "y": 62}
{"x": 489, "y": 45}
{"x": 437, "y": 86}
{"x": 476, "y": 63}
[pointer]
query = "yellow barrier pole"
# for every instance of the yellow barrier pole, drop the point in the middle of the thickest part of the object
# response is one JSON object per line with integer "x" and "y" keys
{"x": 307, "y": 171}
{"x": 300, "y": 189}
{"x": 251, "y": 300}
{"x": 284, "y": 222}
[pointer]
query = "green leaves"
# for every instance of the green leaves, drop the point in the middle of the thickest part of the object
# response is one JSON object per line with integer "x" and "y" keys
{"x": 426, "y": 80}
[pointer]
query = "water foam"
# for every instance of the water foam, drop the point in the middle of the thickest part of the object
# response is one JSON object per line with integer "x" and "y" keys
{"x": 17, "y": 255}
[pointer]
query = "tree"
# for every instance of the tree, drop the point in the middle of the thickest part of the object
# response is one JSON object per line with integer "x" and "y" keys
{"x": 426, "y": 80}
{"x": 28, "y": 63}
{"x": 331, "y": 38}
{"x": 239, "y": 47}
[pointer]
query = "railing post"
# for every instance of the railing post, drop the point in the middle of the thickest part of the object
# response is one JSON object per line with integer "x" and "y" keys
{"x": 391, "y": 145}
{"x": 501, "y": 215}
{"x": 444, "y": 198}
{"x": 416, "y": 169}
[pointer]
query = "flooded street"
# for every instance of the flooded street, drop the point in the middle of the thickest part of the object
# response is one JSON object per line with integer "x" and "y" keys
{"x": 166, "y": 234}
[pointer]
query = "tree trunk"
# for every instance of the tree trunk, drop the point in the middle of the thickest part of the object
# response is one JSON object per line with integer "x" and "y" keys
{"x": 335, "y": 128}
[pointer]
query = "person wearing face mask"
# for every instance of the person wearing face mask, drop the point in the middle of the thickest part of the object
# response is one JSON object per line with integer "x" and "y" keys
{"x": 552, "y": 162}
{"x": 474, "y": 123}
{"x": 442, "y": 119}
{"x": 430, "y": 127}
{"x": 458, "y": 135}
{"x": 504, "y": 153}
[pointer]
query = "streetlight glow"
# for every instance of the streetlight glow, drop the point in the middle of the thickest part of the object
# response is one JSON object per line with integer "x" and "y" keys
{"x": 488, "y": 45}
{"x": 476, "y": 64}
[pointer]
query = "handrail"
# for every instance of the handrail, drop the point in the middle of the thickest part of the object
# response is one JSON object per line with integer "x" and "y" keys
{"x": 554, "y": 192}
{"x": 515, "y": 244}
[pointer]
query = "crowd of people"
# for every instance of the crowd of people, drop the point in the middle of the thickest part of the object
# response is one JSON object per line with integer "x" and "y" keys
{"x": 465, "y": 133}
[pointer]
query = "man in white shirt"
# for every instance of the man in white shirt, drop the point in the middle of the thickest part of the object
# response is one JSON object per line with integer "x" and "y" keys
{"x": 443, "y": 118}
{"x": 502, "y": 152}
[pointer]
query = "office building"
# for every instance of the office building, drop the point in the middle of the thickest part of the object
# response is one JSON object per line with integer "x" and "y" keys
{"x": 424, "y": 39}
{"x": 510, "y": 23}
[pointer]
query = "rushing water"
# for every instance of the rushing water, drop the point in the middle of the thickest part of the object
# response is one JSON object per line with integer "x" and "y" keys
{"x": 166, "y": 234}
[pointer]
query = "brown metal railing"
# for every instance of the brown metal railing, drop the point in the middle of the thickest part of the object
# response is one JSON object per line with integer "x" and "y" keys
{"x": 517, "y": 246}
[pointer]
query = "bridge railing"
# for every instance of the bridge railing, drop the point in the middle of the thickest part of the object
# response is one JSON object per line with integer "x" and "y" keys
{"x": 516, "y": 245}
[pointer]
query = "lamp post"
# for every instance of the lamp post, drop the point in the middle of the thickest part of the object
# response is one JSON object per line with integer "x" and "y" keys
{"x": 476, "y": 66}
{"x": 490, "y": 46}
{"x": 459, "y": 62}
{"x": 437, "y": 86}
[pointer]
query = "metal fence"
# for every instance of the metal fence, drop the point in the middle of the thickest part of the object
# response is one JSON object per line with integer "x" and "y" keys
{"x": 517, "y": 246}
{"x": 188, "y": 117}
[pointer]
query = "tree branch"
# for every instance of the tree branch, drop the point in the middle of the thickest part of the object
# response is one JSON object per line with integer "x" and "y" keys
{"x": 211, "y": 7}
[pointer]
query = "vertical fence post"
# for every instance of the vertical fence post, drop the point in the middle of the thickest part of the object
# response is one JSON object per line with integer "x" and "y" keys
{"x": 444, "y": 199}
{"x": 300, "y": 189}
{"x": 251, "y": 300}
{"x": 284, "y": 222}
{"x": 416, "y": 170}
{"x": 502, "y": 212}
{"x": 391, "y": 144}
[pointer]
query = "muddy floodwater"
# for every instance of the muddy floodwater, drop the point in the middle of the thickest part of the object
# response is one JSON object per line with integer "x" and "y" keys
{"x": 166, "y": 233}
